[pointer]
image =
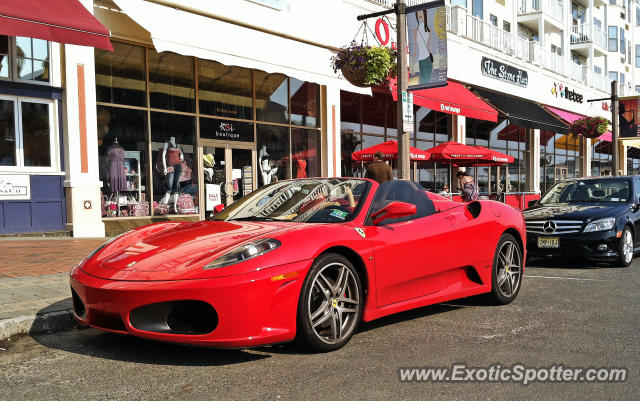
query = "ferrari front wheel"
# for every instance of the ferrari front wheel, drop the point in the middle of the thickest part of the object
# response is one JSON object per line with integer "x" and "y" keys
{"x": 507, "y": 271}
{"x": 330, "y": 305}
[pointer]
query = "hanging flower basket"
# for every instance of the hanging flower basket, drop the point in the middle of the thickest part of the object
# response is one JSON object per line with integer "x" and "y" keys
{"x": 364, "y": 65}
{"x": 589, "y": 127}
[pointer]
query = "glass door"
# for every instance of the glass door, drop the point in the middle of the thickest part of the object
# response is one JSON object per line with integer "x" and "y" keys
{"x": 228, "y": 174}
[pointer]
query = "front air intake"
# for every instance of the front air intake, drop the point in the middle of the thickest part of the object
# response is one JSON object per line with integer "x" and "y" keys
{"x": 187, "y": 317}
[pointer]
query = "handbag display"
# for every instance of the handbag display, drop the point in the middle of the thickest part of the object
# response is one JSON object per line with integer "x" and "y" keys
{"x": 185, "y": 205}
{"x": 138, "y": 209}
{"x": 160, "y": 209}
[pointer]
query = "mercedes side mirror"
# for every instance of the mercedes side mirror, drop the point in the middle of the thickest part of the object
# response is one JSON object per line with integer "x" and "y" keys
{"x": 532, "y": 202}
{"x": 393, "y": 210}
{"x": 635, "y": 206}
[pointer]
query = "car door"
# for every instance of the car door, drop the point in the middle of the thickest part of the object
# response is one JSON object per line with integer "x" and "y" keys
{"x": 409, "y": 253}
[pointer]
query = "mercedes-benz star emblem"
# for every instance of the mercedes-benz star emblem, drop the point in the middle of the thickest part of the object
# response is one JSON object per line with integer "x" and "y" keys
{"x": 549, "y": 226}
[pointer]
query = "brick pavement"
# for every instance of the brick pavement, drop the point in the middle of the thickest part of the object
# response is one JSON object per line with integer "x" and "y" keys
{"x": 35, "y": 257}
{"x": 34, "y": 282}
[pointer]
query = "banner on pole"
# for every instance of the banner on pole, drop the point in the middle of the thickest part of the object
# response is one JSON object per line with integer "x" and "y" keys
{"x": 427, "y": 41}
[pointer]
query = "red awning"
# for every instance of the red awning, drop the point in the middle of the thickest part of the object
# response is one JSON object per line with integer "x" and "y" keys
{"x": 458, "y": 154}
{"x": 63, "y": 21}
{"x": 389, "y": 150}
{"x": 453, "y": 99}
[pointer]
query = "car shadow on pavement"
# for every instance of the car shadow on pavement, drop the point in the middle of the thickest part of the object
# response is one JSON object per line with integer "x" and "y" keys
{"x": 556, "y": 263}
{"x": 100, "y": 344}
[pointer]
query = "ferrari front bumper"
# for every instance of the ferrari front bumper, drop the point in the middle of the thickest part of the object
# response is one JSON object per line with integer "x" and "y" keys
{"x": 250, "y": 309}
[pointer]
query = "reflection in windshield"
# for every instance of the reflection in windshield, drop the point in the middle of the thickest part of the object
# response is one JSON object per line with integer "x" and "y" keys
{"x": 311, "y": 200}
{"x": 588, "y": 191}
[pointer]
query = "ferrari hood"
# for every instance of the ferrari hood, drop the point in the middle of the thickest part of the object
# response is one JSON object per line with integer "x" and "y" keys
{"x": 176, "y": 250}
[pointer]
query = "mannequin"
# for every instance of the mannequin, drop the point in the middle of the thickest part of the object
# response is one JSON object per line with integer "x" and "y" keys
{"x": 172, "y": 158}
{"x": 266, "y": 171}
{"x": 118, "y": 177}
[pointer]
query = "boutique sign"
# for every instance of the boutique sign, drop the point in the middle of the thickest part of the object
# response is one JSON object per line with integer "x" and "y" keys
{"x": 14, "y": 187}
{"x": 504, "y": 72}
{"x": 226, "y": 130}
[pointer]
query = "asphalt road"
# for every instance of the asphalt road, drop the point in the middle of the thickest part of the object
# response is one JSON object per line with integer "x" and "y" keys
{"x": 566, "y": 314}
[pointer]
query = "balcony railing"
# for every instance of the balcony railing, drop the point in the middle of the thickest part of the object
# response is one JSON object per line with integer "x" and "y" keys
{"x": 582, "y": 34}
{"x": 553, "y": 8}
{"x": 479, "y": 31}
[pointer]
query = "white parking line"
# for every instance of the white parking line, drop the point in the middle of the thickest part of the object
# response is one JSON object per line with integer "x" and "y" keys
{"x": 564, "y": 278}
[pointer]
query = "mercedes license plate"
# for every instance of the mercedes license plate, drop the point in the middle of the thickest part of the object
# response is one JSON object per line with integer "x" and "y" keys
{"x": 548, "y": 242}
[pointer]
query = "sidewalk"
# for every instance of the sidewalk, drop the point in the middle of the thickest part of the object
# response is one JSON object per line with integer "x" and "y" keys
{"x": 34, "y": 282}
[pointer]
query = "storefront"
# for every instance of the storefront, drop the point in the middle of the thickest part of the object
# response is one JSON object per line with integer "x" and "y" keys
{"x": 33, "y": 160}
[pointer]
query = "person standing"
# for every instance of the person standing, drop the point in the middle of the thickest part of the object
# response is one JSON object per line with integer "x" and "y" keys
{"x": 379, "y": 170}
{"x": 467, "y": 186}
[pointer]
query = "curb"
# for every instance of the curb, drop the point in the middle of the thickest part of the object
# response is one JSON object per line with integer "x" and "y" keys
{"x": 39, "y": 323}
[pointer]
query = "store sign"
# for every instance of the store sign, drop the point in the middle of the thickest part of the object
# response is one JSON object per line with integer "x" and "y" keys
{"x": 504, "y": 72}
{"x": 14, "y": 187}
{"x": 563, "y": 91}
{"x": 212, "y": 198}
{"x": 383, "y": 33}
{"x": 226, "y": 130}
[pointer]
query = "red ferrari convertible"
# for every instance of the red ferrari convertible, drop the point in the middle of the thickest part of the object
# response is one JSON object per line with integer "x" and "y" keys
{"x": 302, "y": 259}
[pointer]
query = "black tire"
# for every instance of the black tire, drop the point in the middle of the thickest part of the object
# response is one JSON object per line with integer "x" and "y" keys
{"x": 506, "y": 278}
{"x": 625, "y": 248}
{"x": 332, "y": 307}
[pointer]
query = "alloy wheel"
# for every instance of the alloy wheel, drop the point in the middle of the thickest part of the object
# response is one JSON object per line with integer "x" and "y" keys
{"x": 509, "y": 269}
{"x": 627, "y": 246}
{"x": 334, "y": 302}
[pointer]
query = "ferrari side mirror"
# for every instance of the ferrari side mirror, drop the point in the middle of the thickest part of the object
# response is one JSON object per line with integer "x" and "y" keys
{"x": 393, "y": 210}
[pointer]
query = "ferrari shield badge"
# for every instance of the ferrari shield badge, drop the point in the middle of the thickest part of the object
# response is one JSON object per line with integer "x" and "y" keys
{"x": 360, "y": 231}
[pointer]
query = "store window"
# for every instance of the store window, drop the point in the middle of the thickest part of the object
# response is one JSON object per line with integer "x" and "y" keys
{"x": 273, "y": 153}
{"x": 613, "y": 38}
{"x": 27, "y": 136}
{"x": 272, "y": 97}
{"x": 224, "y": 90}
{"x": 171, "y": 82}
{"x": 122, "y": 144}
{"x": 601, "y": 157}
{"x": 561, "y": 157}
{"x": 633, "y": 161}
{"x": 305, "y": 102}
{"x": 374, "y": 113}
{"x": 173, "y": 152}
{"x": 305, "y": 147}
{"x": 121, "y": 76}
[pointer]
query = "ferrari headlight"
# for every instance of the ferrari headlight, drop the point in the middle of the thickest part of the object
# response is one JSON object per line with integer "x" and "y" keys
{"x": 244, "y": 252}
{"x": 600, "y": 225}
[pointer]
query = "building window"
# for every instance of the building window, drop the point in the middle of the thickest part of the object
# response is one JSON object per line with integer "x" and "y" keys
{"x": 461, "y": 3}
{"x": 613, "y": 38}
{"x": 597, "y": 69}
{"x": 478, "y": 8}
{"x": 24, "y": 59}
{"x": 493, "y": 19}
{"x": 638, "y": 56}
{"x": 613, "y": 75}
{"x": 597, "y": 23}
{"x": 26, "y": 134}
{"x": 506, "y": 26}
{"x": 621, "y": 78}
{"x": 622, "y": 46}
{"x": 638, "y": 89}
{"x": 637, "y": 15}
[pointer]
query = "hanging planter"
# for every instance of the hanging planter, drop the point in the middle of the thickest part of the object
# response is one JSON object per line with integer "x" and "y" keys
{"x": 589, "y": 127}
{"x": 364, "y": 65}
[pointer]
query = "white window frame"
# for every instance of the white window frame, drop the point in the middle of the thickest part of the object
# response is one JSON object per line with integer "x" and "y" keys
{"x": 53, "y": 137}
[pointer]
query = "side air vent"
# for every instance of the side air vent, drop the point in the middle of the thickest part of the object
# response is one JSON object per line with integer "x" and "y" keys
{"x": 474, "y": 208}
{"x": 175, "y": 317}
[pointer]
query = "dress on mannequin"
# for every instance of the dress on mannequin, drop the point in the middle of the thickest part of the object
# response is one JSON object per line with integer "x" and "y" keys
{"x": 118, "y": 177}
{"x": 266, "y": 171}
{"x": 173, "y": 164}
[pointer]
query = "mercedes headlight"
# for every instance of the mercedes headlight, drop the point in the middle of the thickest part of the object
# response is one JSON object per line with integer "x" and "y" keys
{"x": 244, "y": 252}
{"x": 600, "y": 225}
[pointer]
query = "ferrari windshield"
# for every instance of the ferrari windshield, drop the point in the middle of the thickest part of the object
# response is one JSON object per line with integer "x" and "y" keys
{"x": 605, "y": 190}
{"x": 321, "y": 200}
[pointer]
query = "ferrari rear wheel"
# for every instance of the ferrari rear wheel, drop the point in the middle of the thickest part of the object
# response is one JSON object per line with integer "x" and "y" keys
{"x": 507, "y": 271}
{"x": 330, "y": 305}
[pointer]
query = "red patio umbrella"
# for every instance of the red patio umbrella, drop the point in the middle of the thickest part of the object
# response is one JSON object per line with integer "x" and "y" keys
{"x": 456, "y": 153}
{"x": 389, "y": 150}
{"x": 495, "y": 157}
